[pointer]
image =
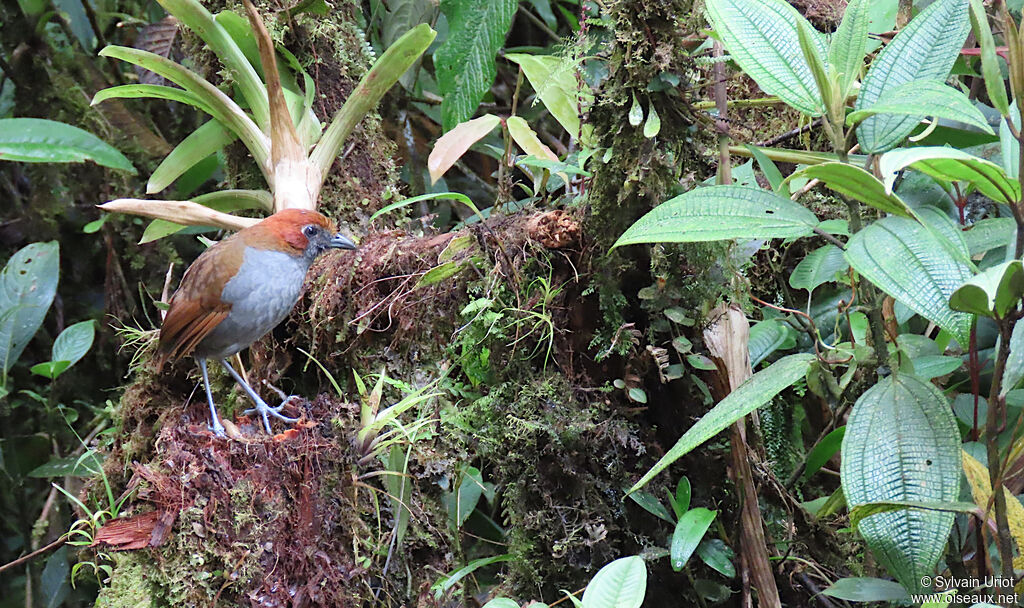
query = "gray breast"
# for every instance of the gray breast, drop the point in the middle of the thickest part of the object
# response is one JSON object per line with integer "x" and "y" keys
{"x": 261, "y": 295}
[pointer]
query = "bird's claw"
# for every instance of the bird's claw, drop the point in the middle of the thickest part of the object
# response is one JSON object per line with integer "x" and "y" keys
{"x": 265, "y": 411}
{"x": 218, "y": 429}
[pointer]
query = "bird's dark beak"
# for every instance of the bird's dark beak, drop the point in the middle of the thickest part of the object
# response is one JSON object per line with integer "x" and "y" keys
{"x": 340, "y": 241}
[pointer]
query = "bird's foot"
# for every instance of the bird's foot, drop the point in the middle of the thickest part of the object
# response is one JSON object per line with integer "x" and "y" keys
{"x": 265, "y": 411}
{"x": 218, "y": 429}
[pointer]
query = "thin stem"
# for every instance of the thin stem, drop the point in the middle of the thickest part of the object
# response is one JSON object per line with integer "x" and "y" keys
{"x": 722, "y": 121}
{"x": 996, "y": 407}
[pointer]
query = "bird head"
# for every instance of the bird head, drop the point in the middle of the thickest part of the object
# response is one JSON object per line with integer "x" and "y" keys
{"x": 300, "y": 232}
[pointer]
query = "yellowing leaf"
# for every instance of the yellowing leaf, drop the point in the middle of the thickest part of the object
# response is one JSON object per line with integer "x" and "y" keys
{"x": 526, "y": 138}
{"x": 981, "y": 491}
{"x": 452, "y": 145}
{"x": 554, "y": 79}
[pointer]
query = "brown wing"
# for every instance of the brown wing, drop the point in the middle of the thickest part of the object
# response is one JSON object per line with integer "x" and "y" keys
{"x": 196, "y": 308}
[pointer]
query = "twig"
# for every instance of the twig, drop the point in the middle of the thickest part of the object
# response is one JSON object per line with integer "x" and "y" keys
{"x": 789, "y": 134}
{"x": 24, "y": 558}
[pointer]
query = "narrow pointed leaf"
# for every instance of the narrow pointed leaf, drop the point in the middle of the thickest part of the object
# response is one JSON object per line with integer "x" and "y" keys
{"x": 989, "y": 61}
{"x": 849, "y": 43}
{"x": 761, "y": 36}
{"x": 186, "y": 213}
{"x": 200, "y": 21}
{"x": 689, "y": 531}
{"x": 209, "y": 138}
{"x": 717, "y": 213}
{"x": 883, "y": 461}
{"x": 151, "y": 91}
{"x": 949, "y": 165}
{"x": 222, "y": 107}
{"x": 758, "y": 390}
{"x": 225, "y": 201}
{"x": 908, "y": 261}
{"x": 923, "y": 50}
{"x": 364, "y": 98}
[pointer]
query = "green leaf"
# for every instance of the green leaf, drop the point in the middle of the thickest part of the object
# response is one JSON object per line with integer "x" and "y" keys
{"x": 859, "y": 512}
{"x": 990, "y": 233}
{"x": 554, "y": 79}
{"x": 471, "y": 487}
{"x": 50, "y": 369}
{"x": 718, "y": 556}
{"x": 445, "y": 583}
{"x": 88, "y": 464}
{"x": 766, "y": 337}
{"x": 620, "y": 584}
{"x": 502, "y": 602}
{"x": 72, "y": 343}
{"x": 54, "y": 582}
{"x": 948, "y": 165}
{"x": 849, "y": 43}
{"x": 636, "y": 113}
{"x": 28, "y": 284}
{"x": 386, "y": 71}
{"x": 652, "y": 505}
{"x": 465, "y": 62}
{"x": 994, "y": 83}
{"x": 1015, "y": 362}
{"x": 856, "y": 183}
{"x": 689, "y": 531}
{"x": 216, "y": 37}
{"x": 652, "y": 126}
{"x": 771, "y": 172}
{"x": 823, "y": 452}
{"x": 151, "y": 91}
{"x": 908, "y": 261}
{"x": 440, "y": 272}
{"x": 716, "y": 213}
{"x": 923, "y": 50}
{"x": 992, "y": 292}
{"x": 883, "y": 461}
{"x": 867, "y": 590}
{"x": 758, "y": 390}
{"x": 209, "y": 138}
{"x": 681, "y": 500}
{"x": 761, "y": 36}
{"x": 921, "y": 98}
{"x": 815, "y": 58}
{"x": 818, "y": 267}
{"x": 934, "y": 366}
{"x": 214, "y": 101}
{"x": 35, "y": 140}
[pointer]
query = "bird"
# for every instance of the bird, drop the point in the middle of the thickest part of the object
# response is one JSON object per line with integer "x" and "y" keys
{"x": 238, "y": 290}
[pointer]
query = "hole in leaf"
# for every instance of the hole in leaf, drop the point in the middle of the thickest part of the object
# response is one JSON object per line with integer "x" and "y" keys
{"x": 770, "y": 211}
{"x": 928, "y": 462}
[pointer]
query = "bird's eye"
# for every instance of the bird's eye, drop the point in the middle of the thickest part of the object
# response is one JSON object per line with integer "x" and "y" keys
{"x": 309, "y": 230}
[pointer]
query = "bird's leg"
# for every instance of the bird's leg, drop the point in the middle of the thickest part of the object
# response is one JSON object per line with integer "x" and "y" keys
{"x": 215, "y": 425}
{"x": 261, "y": 406}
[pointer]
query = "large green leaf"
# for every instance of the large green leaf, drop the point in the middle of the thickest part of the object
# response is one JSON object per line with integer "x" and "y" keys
{"x": 554, "y": 79}
{"x": 620, "y": 584}
{"x": 718, "y": 213}
{"x": 990, "y": 233}
{"x": 465, "y": 62}
{"x": 910, "y": 263}
{"x": 752, "y": 394}
{"x": 35, "y": 140}
{"x": 761, "y": 36}
{"x": 849, "y": 43}
{"x": 925, "y": 49}
{"x": 1015, "y": 362}
{"x": 902, "y": 444}
{"x": 920, "y": 98}
{"x": 27, "y": 286}
{"x": 856, "y": 183}
{"x": 210, "y": 137}
{"x": 948, "y": 165}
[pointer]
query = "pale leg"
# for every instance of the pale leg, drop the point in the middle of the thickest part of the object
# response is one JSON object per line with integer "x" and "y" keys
{"x": 261, "y": 406}
{"x": 215, "y": 425}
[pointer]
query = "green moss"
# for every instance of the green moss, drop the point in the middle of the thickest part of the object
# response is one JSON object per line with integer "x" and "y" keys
{"x": 135, "y": 583}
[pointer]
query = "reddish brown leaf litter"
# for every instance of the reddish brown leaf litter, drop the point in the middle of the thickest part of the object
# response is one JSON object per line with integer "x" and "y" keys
{"x": 271, "y": 517}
